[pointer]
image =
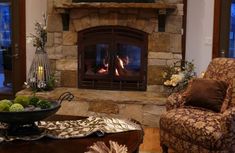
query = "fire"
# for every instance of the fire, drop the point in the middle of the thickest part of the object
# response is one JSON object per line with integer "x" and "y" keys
{"x": 120, "y": 62}
{"x": 119, "y": 66}
{"x": 103, "y": 71}
{"x": 116, "y": 72}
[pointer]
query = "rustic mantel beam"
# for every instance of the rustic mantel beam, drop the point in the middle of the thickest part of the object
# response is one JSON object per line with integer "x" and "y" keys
{"x": 162, "y": 9}
{"x": 113, "y": 5}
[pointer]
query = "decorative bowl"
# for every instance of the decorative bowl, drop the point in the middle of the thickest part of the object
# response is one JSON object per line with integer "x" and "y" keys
{"x": 25, "y": 117}
{"x": 23, "y": 123}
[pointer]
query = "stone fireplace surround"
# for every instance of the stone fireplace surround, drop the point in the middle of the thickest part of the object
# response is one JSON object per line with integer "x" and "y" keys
{"x": 163, "y": 48}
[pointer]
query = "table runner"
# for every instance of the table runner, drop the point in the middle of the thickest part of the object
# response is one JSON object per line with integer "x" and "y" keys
{"x": 76, "y": 128}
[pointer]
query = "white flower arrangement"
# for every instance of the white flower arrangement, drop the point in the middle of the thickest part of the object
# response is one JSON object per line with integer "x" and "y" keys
{"x": 175, "y": 79}
{"x": 177, "y": 75}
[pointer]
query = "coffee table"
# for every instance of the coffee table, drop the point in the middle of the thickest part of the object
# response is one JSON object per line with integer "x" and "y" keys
{"x": 132, "y": 139}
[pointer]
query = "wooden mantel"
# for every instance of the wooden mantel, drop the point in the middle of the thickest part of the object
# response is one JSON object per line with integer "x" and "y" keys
{"x": 113, "y": 5}
{"x": 162, "y": 9}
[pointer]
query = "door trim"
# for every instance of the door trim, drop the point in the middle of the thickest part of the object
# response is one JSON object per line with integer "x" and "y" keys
{"x": 185, "y": 2}
{"x": 216, "y": 29}
{"x": 221, "y": 33}
{"x": 22, "y": 46}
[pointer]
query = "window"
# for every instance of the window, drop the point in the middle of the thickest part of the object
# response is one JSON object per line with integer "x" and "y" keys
{"x": 231, "y": 52}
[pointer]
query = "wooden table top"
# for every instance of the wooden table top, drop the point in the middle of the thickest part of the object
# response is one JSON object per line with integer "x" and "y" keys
{"x": 132, "y": 139}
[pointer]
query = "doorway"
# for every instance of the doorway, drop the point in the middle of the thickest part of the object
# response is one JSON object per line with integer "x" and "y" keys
{"x": 224, "y": 29}
{"x": 12, "y": 47}
{"x": 231, "y": 51}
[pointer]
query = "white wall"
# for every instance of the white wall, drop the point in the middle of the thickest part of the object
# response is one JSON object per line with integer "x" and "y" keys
{"x": 34, "y": 11}
{"x": 199, "y": 33}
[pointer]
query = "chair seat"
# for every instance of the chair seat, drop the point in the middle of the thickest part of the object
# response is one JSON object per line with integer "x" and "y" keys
{"x": 201, "y": 127}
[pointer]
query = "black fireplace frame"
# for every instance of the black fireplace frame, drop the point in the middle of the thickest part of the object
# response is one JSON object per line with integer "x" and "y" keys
{"x": 113, "y": 34}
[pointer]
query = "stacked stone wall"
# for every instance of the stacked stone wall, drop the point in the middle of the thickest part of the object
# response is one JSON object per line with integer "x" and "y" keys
{"x": 164, "y": 48}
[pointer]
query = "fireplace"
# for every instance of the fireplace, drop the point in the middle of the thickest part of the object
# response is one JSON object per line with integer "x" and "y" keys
{"x": 114, "y": 46}
{"x": 84, "y": 40}
{"x": 112, "y": 57}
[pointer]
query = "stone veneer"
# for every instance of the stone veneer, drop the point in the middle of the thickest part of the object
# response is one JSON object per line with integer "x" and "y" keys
{"x": 163, "y": 48}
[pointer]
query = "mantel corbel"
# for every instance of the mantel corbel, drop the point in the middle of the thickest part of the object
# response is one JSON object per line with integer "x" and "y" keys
{"x": 162, "y": 15}
{"x": 64, "y": 12}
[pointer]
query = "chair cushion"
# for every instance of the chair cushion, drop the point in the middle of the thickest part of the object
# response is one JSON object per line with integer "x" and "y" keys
{"x": 188, "y": 124}
{"x": 206, "y": 93}
{"x": 223, "y": 69}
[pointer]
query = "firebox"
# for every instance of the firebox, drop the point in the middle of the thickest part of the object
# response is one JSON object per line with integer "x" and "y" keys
{"x": 112, "y": 57}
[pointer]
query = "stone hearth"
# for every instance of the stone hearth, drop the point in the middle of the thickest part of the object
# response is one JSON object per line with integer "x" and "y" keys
{"x": 145, "y": 107}
{"x": 164, "y": 47}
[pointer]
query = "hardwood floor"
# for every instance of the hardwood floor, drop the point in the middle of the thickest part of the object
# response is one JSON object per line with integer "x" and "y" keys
{"x": 151, "y": 142}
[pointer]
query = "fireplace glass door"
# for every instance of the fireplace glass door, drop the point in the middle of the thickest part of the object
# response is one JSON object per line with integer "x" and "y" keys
{"x": 112, "y": 58}
{"x": 127, "y": 61}
{"x": 96, "y": 60}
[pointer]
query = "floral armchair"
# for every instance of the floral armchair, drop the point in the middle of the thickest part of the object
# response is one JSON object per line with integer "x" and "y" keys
{"x": 196, "y": 130}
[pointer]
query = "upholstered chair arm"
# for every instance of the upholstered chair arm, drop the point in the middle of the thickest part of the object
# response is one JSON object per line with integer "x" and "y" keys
{"x": 175, "y": 100}
{"x": 228, "y": 120}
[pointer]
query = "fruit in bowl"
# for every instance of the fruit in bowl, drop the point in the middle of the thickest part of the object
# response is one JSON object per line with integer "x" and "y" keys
{"x": 16, "y": 108}
{"x": 5, "y": 105}
{"x": 23, "y": 100}
{"x": 24, "y": 103}
{"x": 22, "y": 112}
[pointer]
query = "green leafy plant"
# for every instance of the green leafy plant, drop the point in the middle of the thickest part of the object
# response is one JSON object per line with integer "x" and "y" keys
{"x": 33, "y": 101}
{"x": 51, "y": 83}
{"x": 44, "y": 104}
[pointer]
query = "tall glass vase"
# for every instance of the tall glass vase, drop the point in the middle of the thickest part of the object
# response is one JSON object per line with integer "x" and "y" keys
{"x": 39, "y": 73}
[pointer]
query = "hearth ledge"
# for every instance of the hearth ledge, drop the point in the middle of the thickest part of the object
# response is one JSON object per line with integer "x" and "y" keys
{"x": 119, "y": 97}
{"x": 145, "y": 107}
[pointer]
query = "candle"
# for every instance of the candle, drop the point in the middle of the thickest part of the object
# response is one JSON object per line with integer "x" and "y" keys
{"x": 40, "y": 73}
